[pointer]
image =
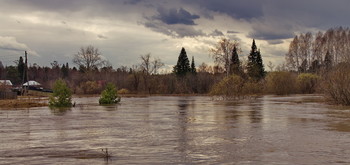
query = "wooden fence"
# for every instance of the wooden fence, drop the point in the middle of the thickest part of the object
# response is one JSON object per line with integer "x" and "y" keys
{"x": 8, "y": 95}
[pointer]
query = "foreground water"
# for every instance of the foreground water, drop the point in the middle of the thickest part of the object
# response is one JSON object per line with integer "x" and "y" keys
{"x": 179, "y": 130}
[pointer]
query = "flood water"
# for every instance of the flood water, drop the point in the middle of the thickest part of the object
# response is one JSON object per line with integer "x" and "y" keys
{"x": 179, "y": 130}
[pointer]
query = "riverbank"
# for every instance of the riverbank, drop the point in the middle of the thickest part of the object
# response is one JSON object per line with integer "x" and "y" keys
{"x": 24, "y": 102}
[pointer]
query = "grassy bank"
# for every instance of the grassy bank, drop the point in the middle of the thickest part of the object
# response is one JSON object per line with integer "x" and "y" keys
{"x": 23, "y": 102}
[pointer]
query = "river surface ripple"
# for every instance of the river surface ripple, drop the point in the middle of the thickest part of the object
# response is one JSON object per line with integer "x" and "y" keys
{"x": 297, "y": 129}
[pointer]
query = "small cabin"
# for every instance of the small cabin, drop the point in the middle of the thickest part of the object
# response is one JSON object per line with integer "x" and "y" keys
{"x": 33, "y": 85}
{"x": 6, "y": 90}
{"x": 6, "y": 83}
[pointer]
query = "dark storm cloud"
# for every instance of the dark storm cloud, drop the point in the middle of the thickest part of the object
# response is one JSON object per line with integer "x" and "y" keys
{"x": 239, "y": 9}
{"x": 271, "y": 31}
{"x": 176, "y": 16}
{"x": 310, "y": 13}
{"x": 177, "y": 31}
{"x": 173, "y": 22}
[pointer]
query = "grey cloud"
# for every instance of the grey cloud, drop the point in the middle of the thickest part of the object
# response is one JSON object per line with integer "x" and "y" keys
{"x": 234, "y": 37}
{"x": 177, "y": 31}
{"x": 173, "y": 22}
{"x": 131, "y": 2}
{"x": 271, "y": 30}
{"x": 216, "y": 32}
{"x": 270, "y": 35}
{"x": 174, "y": 16}
{"x": 275, "y": 42}
{"x": 310, "y": 13}
{"x": 47, "y": 5}
{"x": 101, "y": 36}
{"x": 10, "y": 43}
{"x": 246, "y": 9}
{"x": 232, "y": 32}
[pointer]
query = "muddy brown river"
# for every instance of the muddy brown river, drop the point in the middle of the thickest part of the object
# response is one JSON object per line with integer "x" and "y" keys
{"x": 296, "y": 129}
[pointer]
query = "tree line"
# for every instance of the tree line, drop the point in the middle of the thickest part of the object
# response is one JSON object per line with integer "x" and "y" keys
{"x": 316, "y": 52}
{"x": 92, "y": 72}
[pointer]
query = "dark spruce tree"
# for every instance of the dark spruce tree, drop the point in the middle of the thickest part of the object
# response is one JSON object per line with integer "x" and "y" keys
{"x": 183, "y": 64}
{"x": 255, "y": 66}
{"x": 65, "y": 70}
{"x": 235, "y": 64}
{"x": 193, "y": 67}
{"x": 22, "y": 70}
{"x": 328, "y": 62}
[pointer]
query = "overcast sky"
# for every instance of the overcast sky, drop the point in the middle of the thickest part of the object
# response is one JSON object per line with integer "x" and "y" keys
{"x": 54, "y": 30}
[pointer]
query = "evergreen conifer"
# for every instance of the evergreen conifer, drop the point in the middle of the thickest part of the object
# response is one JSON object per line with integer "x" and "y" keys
{"x": 61, "y": 96}
{"x": 255, "y": 64}
{"x": 21, "y": 69}
{"x": 193, "y": 66}
{"x": 235, "y": 64}
{"x": 183, "y": 64}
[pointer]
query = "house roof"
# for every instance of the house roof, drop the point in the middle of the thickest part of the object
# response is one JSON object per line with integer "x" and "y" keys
{"x": 6, "y": 82}
{"x": 31, "y": 83}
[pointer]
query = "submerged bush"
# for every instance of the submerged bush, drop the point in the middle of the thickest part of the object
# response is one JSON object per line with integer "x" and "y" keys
{"x": 281, "y": 83}
{"x": 109, "y": 95}
{"x": 90, "y": 87}
{"x": 61, "y": 96}
{"x": 336, "y": 85}
{"x": 253, "y": 88}
{"x": 307, "y": 82}
{"x": 123, "y": 91}
{"x": 230, "y": 86}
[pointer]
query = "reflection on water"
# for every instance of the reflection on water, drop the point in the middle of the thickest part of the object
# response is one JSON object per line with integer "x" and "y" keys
{"x": 179, "y": 130}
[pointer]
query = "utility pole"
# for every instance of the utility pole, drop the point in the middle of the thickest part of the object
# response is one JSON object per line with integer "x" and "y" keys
{"x": 26, "y": 66}
{"x": 25, "y": 74}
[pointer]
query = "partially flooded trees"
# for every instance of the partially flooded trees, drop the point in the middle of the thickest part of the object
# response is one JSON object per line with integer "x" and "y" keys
{"x": 276, "y": 83}
{"x": 336, "y": 84}
{"x": 109, "y": 95}
{"x": 61, "y": 96}
{"x": 230, "y": 87}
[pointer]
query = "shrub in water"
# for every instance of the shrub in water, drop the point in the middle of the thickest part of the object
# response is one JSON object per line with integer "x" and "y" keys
{"x": 109, "y": 95}
{"x": 281, "y": 83}
{"x": 336, "y": 85}
{"x": 61, "y": 96}
{"x": 230, "y": 86}
{"x": 123, "y": 91}
{"x": 307, "y": 82}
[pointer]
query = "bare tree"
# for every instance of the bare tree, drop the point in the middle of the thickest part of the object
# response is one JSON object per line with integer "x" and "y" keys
{"x": 222, "y": 51}
{"x": 270, "y": 66}
{"x": 293, "y": 55}
{"x": 146, "y": 63}
{"x": 149, "y": 67}
{"x": 89, "y": 58}
{"x": 157, "y": 63}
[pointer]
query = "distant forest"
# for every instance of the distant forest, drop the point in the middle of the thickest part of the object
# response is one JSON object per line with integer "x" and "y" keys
{"x": 93, "y": 72}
